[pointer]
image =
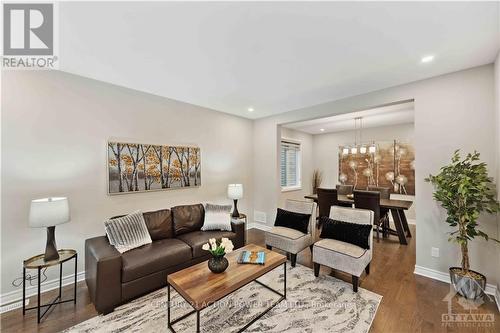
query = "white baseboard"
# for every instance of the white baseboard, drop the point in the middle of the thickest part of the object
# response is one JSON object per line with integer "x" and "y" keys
{"x": 491, "y": 289}
{"x": 259, "y": 226}
{"x": 13, "y": 300}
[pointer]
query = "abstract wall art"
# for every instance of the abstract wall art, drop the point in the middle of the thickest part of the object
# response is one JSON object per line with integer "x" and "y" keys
{"x": 391, "y": 165}
{"x": 136, "y": 167}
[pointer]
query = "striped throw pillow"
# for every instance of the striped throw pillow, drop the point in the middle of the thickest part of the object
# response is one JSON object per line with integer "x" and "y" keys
{"x": 127, "y": 232}
{"x": 217, "y": 217}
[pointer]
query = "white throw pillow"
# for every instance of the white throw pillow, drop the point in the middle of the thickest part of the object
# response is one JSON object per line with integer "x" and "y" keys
{"x": 127, "y": 232}
{"x": 217, "y": 217}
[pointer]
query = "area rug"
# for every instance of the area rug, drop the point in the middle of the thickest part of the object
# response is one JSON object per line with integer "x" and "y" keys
{"x": 322, "y": 304}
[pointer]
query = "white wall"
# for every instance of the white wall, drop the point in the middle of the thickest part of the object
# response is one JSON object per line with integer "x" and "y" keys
{"x": 326, "y": 157}
{"x": 452, "y": 111}
{"x": 54, "y": 132}
{"x": 306, "y": 168}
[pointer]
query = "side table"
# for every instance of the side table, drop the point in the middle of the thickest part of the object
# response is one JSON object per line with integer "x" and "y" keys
{"x": 244, "y": 218}
{"x": 38, "y": 262}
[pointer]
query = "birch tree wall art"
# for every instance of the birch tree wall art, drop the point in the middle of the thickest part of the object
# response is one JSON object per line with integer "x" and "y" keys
{"x": 141, "y": 167}
{"x": 392, "y": 166}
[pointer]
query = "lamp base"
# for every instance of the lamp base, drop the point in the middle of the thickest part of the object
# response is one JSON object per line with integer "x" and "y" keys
{"x": 51, "y": 248}
{"x": 235, "y": 210}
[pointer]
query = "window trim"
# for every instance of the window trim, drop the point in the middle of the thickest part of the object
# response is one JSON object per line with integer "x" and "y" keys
{"x": 297, "y": 187}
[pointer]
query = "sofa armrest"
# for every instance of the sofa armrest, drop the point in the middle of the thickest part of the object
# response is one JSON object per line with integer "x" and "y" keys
{"x": 238, "y": 227}
{"x": 103, "y": 268}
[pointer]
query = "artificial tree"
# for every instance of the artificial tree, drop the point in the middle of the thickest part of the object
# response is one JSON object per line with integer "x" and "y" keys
{"x": 465, "y": 190}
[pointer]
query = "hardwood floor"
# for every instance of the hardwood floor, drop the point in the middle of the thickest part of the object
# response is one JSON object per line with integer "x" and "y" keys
{"x": 410, "y": 303}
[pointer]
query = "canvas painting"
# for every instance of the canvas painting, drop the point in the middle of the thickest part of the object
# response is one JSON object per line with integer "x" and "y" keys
{"x": 142, "y": 167}
{"x": 392, "y": 166}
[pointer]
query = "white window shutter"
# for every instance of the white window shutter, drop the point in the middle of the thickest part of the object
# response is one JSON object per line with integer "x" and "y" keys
{"x": 290, "y": 164}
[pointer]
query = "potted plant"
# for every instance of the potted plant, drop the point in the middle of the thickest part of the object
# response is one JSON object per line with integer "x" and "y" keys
{"x": 464, "y": 189}
{"x": 218, "y": 249}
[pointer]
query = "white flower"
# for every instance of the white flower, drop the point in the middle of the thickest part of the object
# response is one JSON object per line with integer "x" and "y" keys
{"x": 214, "y": 246}
{"x": 212, "y": 241}
{"x": 224, "y": 240}
{"x": 228, "y": 247}
{"x": 206, "y": 247}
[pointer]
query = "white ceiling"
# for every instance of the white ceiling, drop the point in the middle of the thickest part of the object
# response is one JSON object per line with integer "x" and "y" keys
{"x": 402, "y": 113}
{"x": 272, "y": 56}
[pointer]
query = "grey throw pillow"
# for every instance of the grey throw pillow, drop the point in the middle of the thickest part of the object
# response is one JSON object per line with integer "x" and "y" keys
{"x": 217, "y": 217}
{"x": 127, "y": 232}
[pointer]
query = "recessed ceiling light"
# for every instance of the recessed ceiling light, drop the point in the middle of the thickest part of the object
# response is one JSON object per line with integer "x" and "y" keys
{"x": 322, "y": 129}
{"x": 250, "y": 109}
{"x": 428, "y": 58}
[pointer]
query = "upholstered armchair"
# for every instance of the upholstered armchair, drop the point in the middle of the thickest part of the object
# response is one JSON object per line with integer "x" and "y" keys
{"x": 342, "y": 256}
{"x": 290, "y": 240}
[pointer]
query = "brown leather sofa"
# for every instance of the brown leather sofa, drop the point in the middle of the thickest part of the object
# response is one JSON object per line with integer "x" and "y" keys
{"x": 113, "y": 278}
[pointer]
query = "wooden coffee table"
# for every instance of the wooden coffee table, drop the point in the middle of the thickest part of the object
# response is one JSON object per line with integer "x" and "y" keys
{"x": 201, "y": 288}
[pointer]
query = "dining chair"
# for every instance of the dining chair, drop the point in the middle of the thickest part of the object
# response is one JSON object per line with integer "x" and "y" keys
{"x": 385, "y": 193}
{"x": 327, "y": 197}
{"x": 344, "y": 190}
{"x": 369, "y": 200}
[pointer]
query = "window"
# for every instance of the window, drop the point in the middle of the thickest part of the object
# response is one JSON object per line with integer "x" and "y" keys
{"x": 290, "y": 165}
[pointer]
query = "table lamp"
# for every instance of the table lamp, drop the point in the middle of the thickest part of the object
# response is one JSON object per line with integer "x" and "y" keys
{"x": 49, "y": 212}
{"x": 235, "y": 192}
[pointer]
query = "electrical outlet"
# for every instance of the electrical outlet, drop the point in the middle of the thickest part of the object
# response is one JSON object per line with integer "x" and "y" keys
{"x": 435, "y": 252}
{"x": 259, "y": 216}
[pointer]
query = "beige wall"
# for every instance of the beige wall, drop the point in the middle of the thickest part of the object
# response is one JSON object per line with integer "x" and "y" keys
{"x": 54, "y": 132}
{"x": 306, "y": 168}
{"x": 452, "y": 111}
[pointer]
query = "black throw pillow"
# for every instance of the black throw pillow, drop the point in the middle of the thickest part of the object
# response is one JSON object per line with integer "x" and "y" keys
{"x": 353, "y": 233}
{"x": 292, "y": 220}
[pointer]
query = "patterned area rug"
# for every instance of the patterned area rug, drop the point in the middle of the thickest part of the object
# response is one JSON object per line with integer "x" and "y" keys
{"x": 323, "y": 304}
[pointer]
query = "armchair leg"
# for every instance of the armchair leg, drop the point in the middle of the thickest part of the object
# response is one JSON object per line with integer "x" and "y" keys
{"x": 367, "y": 269}
{"x": 269, "y": 247}
{"x": 355, "y": 282}
{"x": 311, "y": 247}
{"x": 316, "y": 269}
{"x": 293, "y": 258}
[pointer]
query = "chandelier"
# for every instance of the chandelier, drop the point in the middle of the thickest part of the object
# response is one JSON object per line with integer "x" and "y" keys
{"x": 358, "y": 145}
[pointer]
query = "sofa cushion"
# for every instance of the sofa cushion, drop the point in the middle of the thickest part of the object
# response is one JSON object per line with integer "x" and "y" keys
{"x": 341, "y": 248}
{"x": 159, "y": 224}
{"x": 154, "y": 257}
{"x": 127, "y": 232}
{"x": 292, "y": 220}
{"x": 188, "y": 218}
{"x": 353, "y": 233}
{"x": 196, "y": 239}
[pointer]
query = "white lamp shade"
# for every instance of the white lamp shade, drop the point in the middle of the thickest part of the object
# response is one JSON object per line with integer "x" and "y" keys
{"x": 49, "y": 212}
{"x": 235, "y": 191}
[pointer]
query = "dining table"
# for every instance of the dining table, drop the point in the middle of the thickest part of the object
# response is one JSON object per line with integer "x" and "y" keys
{"x": 395, "y": 206}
